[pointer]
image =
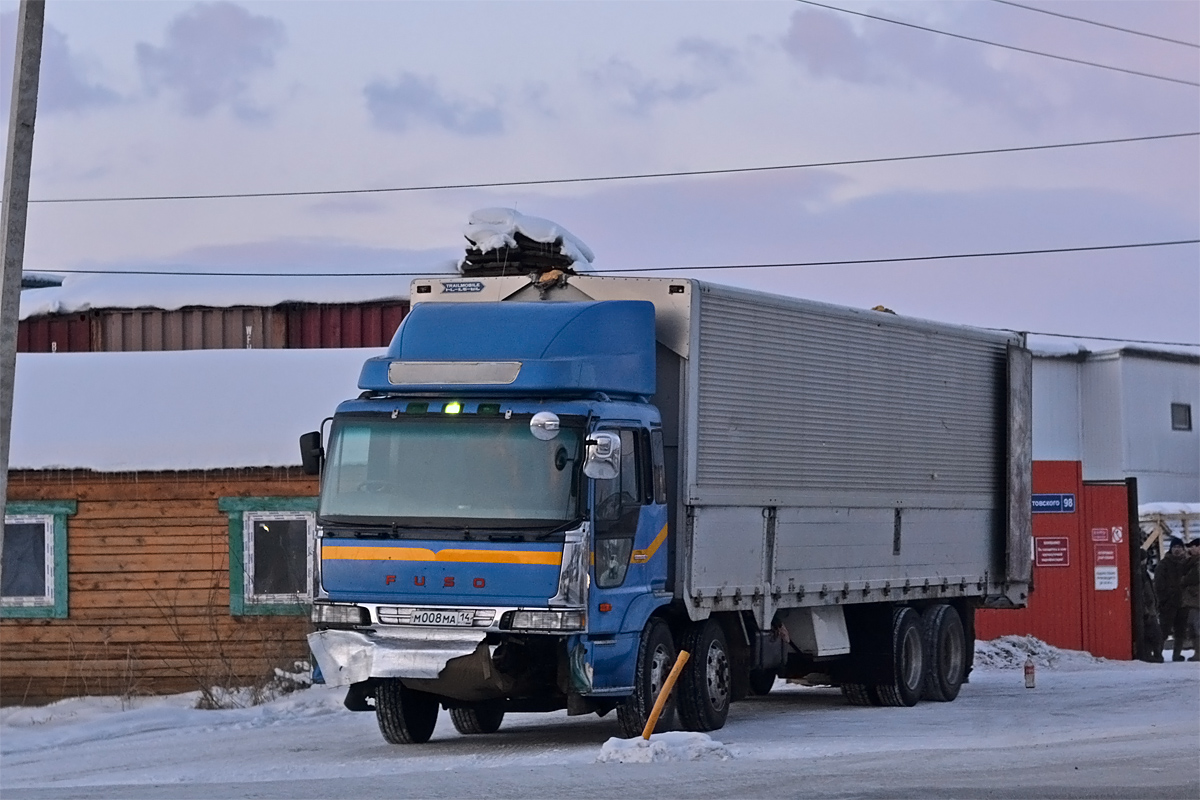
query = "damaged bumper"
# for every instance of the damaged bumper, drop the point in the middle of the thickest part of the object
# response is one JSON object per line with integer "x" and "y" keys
{"x": 347, "y": 657}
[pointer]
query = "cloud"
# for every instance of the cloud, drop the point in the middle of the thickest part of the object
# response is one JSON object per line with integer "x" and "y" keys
{"x": 63, "y": 85}
{"x": 829, "y": 45}
{"x": 638, "y": 95}
{"x": 211, "y": 54}
{"x": 397, "y": 105}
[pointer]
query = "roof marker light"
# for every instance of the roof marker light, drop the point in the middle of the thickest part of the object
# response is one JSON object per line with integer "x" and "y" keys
{"x": 452, "y": 408}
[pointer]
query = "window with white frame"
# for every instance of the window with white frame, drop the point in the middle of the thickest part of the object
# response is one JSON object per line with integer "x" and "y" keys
{"x": 33, "y": 579}
{"x": 277, "y": 557}
{"x": 271, "y": 542}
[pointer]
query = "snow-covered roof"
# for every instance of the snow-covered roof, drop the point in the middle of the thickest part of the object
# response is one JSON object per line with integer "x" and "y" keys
{"x": 1062, "y": 347}
{"x": 180, "y": 410}
{"x": 493, "y": 228}
{"x": 170, "y": 292}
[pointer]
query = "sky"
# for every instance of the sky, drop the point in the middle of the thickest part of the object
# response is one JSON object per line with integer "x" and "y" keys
{"x": 169, "y": 98}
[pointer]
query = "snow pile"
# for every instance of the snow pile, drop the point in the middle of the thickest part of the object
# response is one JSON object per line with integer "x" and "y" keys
{"x": 670, "y": 746}
{"x": 494, "y": 228}
{"x": 1010, "y": 652}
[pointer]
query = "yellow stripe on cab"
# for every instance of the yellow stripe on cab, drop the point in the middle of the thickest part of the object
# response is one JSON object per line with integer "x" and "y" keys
{"x": 349, "y": 553}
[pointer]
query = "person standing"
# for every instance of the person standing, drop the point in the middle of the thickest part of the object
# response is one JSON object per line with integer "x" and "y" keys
{"x": 1168, "y": 585}
{"x": 1191, "y": 597}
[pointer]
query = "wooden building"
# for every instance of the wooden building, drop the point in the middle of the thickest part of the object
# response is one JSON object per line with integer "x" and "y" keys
{"x": 158, "y": 526}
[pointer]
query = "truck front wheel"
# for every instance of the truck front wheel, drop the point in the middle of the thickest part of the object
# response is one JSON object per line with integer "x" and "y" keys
{"x": 706, "y": 682}
{"x": 405, "y": 716}
{"x": 477, "y": 718}
{"x": 656, "y": 655}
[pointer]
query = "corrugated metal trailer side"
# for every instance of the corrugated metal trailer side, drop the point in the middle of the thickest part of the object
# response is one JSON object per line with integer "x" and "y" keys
{"x": 832, "y": 455}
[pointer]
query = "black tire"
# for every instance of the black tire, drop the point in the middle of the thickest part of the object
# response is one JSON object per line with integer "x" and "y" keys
{"x": 477, "y": 718}
{"x": 860, "y": 694}
{"x": 656, "y": 656}
{"x": 902, "y": 676}
{"x": 405, "y": 716}
{"x": 762, "y": 681}
{"x": 946, "y": 652}
{"x": 706, "y": 686}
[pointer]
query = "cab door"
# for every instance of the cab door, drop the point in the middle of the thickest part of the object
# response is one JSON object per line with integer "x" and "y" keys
{"x": 629, "y": 531}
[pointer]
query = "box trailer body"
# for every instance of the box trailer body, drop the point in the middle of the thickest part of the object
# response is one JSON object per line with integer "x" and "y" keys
{"x": 800, "y": 487}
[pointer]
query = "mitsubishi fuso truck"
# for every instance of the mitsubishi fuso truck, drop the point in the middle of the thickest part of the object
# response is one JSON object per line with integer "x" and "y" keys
{"x": 550, "y": 485}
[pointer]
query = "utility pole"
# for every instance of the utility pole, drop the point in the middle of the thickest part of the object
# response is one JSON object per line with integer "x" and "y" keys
{"x": 17, "y": 159}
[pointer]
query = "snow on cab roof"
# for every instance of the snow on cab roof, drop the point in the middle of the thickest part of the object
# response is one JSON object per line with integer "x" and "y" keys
{"x": 175, "y": 410}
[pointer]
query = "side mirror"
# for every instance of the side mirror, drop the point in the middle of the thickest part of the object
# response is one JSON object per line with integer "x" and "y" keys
{"x": 603, "y": 460}
{"x": 311, "y": 453}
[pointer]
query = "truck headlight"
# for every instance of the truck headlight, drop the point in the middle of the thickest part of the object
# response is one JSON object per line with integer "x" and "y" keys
{"x": 339, "y": 615}
{"x": 548, "y": 620}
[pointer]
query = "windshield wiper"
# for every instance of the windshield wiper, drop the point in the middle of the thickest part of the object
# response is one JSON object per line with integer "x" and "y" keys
{"x": 565, "y": 526}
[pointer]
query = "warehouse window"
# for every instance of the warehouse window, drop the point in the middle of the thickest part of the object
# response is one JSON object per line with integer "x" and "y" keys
{"x": 33, "y": 575}
{"x": 1181, "y": 416}
{"x": 271, "y": 542}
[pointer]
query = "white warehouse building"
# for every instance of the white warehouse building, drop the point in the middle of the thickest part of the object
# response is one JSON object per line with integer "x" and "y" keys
{"x": 1124, "y": 412}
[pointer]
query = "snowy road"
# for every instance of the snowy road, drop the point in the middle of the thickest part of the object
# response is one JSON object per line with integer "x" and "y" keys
{"x": 1089, "y": 729}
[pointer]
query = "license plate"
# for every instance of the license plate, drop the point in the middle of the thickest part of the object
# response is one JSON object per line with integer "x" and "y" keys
{"x": 435, "y": 616}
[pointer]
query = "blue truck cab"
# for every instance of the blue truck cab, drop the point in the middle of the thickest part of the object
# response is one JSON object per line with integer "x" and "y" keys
{"x": 493, "y": 519}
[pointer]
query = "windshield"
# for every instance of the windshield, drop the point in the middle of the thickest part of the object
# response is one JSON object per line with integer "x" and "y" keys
{"x": 432, "y": 471}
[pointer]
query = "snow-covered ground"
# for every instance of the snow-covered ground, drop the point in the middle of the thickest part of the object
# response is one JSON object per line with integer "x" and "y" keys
{"x": 1090, "y": 728}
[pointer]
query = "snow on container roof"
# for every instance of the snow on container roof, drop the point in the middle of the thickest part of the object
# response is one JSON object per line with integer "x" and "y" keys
{"x": 180, "y": 410}
{"x": 171, "y": 292}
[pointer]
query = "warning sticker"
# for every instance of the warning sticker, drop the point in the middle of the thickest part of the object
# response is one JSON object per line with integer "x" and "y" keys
{"x": 1118, "y": 534}
{"x": 1051, "y": 551}
{"x": 1106, "y": 555}
{"x": 1099, "y": 534}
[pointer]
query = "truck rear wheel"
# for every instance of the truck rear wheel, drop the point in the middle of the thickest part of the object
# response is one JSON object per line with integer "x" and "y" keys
{"x": 477, "y": 718}
{"x": 706, "y": 685}
{"x": 405, "y": 716}
{"x": 946, "y": 647}
{"x": 860, "y": 694}
{"x": 902, "y": 676}
{"x": 656, "y": 656}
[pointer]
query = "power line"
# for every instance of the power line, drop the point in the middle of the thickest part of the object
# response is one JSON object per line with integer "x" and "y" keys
{"x": 1005, "y": 46}
{"x": 1098, "y": 24}
{"x": 844, "y": 262}
{"x": 624, "y": 177}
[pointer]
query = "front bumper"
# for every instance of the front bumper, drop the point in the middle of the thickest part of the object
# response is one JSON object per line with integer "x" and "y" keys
{"x": 347, "y": 657}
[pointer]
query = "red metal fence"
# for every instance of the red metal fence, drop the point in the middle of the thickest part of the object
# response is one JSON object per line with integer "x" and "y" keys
{"x": 1081, "y": 572}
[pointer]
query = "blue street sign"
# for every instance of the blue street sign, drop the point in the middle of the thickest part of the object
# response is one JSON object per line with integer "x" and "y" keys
{"x": 1054, "y": 504}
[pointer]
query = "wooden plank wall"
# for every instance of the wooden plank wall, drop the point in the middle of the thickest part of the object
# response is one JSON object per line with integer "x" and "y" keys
{"x": 148, "y": 589}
